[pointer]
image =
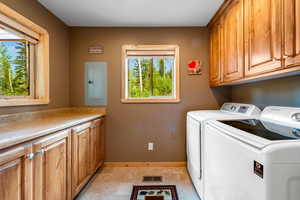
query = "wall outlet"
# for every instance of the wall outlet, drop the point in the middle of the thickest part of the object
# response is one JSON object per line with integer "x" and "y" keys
{"x": 150, "y": 146}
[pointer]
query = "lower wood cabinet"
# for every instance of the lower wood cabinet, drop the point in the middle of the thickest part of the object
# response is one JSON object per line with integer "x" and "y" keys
{"x": 54, "y": 167}
{"x": 16, "y": 173}
{"x": 81, "y": 156}
{"x": 87, "y": 152}
{"x": 97, "y": 144}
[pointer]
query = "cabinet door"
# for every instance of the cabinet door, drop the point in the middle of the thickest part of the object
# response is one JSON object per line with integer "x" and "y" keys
{"x": 262, "y": 36}
{"x": 52, "y": 167}
{"x": 15, "y": 174}
{"x": 291, "y": 32}
{"x": 215, "y": 54}
{"x": 97, "y": 143}
{"x": 233, "y": 68}
{"x": 101, "y": 155}
{"x": 81, "y": 157}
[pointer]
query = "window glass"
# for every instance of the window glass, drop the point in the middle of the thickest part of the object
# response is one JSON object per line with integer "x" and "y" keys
{"x": 14, "y": 65}
{"x": 151, "y": 77}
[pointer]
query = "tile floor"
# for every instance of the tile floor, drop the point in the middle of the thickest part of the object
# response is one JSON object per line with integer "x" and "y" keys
{"x": 115, "y": 183}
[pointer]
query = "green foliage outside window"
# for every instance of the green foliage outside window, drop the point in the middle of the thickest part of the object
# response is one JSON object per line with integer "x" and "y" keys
{"x": 150, "y": 77}
{"x": 14, "y": 74}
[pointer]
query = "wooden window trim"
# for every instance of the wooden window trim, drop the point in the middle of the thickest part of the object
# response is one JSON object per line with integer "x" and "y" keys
{"x": 40, "y": 82}
{"x": 126, "y": 48}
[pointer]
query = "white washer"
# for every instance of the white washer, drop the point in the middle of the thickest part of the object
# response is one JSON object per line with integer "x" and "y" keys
{"x": 195, "y": 122}
{"x": 255, "y": 159}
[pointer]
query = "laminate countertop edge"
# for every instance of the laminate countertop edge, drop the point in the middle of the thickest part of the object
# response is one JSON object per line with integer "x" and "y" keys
{"x": 10, "y": 136}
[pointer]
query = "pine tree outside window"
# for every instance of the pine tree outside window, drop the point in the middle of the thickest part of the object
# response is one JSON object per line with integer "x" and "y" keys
{"x": 150, "y": 74}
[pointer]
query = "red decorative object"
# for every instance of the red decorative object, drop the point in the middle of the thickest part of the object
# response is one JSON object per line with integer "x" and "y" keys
{"x": 194, "y": 67}
{"x": 193, "y": 64}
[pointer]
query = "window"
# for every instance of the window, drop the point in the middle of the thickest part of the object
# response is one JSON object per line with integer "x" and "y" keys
{"x": 24, "y": 60}
{"x": 16, "y": 66}
{"x": 150, "y": 73}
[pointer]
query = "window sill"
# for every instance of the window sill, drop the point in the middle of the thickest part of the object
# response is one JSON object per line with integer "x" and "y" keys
{"x": 22, "y": 102}
{"x": 150, "y": 100}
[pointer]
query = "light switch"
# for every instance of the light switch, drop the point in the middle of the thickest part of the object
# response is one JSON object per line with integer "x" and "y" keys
{"x": 150, "y": 146}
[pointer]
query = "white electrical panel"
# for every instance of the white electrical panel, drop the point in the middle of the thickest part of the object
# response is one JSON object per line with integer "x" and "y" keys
{"x": 96, "y": 83}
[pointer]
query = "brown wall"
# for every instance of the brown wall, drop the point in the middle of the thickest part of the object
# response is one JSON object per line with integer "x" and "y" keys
{"x": 59, "y": 52}
{"x": 279, "y": 92}
{"x": 131, "y": 126}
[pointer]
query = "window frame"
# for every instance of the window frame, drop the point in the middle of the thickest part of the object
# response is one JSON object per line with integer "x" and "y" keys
{"x": 124, "y": 75}
{"x": 38, "y": 62}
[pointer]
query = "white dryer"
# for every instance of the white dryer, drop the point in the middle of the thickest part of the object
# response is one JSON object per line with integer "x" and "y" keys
{"x": 194, "y": 137}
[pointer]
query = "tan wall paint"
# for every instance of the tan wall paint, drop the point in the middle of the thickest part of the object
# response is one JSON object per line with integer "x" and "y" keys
{"x": 59, "y": 53}
{"x": 278, "y": 92}
{"x": 131, "y": 126}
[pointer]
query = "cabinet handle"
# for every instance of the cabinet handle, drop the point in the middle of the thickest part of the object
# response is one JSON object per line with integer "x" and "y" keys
{"x": 287, "y": 56}
{"x": 30, "y": 156}
{"x": 42, "y": 151}
{"x": 276, "y": 59}
{"x": 7, "y": 167}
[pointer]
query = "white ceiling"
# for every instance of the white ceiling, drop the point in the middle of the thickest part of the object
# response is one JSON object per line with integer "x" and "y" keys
{"x": 133, "y": 12}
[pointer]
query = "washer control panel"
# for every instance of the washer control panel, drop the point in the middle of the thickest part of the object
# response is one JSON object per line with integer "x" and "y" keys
{"x": 245, "y": 109}
{"x": 290, "y": 115}
{"x": 296, "y": 117}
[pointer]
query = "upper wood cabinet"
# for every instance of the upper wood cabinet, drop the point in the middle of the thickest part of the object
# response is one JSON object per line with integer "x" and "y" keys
{"x": 262, "y": 36}
{"x": 233, "y": 53}
{"x": 52, "y": 167}
{"x": 15, "y": 173}
{"x": 215, "y": 54}
{"x": 260, "y": 39}
{"x": 291, "y": 32}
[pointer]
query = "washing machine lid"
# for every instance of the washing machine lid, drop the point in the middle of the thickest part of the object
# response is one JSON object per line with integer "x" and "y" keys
{"x": 265, "y": 129}
{"x": 240, "y": 135}
{"x": 275, "y": 124}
